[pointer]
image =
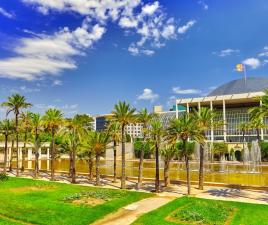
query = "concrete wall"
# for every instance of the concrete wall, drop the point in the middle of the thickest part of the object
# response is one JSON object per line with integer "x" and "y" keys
{"x": 129, "y": 152}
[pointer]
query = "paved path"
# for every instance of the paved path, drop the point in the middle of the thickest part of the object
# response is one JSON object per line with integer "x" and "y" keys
{"x": 130, "y": 213}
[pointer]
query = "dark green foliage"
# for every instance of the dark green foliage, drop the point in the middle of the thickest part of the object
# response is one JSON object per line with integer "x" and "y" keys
{"x": 148, "y": 150}
{"x": 189, "y": 148}
{"x": 264, "y": 151}
{"x": 3, "y": 177}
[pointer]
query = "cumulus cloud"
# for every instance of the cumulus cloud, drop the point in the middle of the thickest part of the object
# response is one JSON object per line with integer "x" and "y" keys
{"x": 7, "y": 14}
{"x": 183, "y": 29}
{"x": 226, "y": 52}
{"x": 48, "y": 54}
{"x": 178, "y": 90}
{"x": 148, "y": 20}
{"x": 253, "y": 63}
{"x": 149, "y": 95}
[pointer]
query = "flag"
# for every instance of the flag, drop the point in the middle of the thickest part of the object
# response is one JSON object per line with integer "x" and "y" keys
{"x": 240, "y": 67}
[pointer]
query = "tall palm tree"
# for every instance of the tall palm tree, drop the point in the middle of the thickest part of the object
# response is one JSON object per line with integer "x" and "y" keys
{"x": 114, "y": 131}
{"x": 156, "y": 133}
{"x": 124, "y": 115}
{"x": 6, "y": 128}
{"x": 257, "y": 124}
{"x": 15, "y": 103}
{"x": 36, "y": 125}
{"x": 73, "y": 131}
{"x": 205, "y": 120}
{"x": 168, "y": 152}
{"x": 184, "y": 128}
{"x": 99, "y": 142}
{"x": 25, "y": 126}
{"x": 52, "y": 120}
{"x": 143, "y": 117}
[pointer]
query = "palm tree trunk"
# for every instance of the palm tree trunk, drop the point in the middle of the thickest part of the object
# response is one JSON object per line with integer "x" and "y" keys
{"x": 73, "y": 167}
{"x": 201, "y": 168}
{"x": 123, "y": 176}
{"x": 114, "y": 161}
{"x": 71, "y": 164}
{"x": 17, "y": 144}
{"x": 141, "y": 166}
{"x": 157, "y": 183}
{"x": 11, "y": 155}
{"x": 5, "y": 156}
{"x": 188, "y": 175}
{"x": 36, "y": 162}
{"x": 166, "y": 173}
{"x": 97, "y": 169}
{"x": 90, "y": 166}
{"x": 23, "y": 151}
{"x": 53, "y": 156}
{"x": 258, "y": 135}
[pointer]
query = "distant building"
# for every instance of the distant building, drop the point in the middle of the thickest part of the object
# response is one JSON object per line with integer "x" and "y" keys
{"x": 231, "y": 101}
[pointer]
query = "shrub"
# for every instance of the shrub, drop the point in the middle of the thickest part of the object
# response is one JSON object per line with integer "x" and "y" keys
{"x": 148, "y": 150}
{"x": 264, "y": 150}
{"x": 3, "y": 177}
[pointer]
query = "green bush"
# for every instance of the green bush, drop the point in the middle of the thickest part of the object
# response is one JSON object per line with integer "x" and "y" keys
{"x": 3, "y": 177}
{"x": 264, "y": 150}
{"x": 148, "y": 150}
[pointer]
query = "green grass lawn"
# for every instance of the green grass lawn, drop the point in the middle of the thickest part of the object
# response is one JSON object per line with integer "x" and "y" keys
{"x": 194, "y": 211}
{"x": 39, "y": 202}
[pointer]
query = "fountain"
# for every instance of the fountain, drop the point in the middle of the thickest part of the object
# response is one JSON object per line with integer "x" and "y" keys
{"x": 255, "y": 156}
{"x": 246, "y": 155}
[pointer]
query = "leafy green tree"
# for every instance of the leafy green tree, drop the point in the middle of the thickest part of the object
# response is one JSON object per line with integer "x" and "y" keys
{"x": 15, "y": 103}
{"x": 52, "y": 121}
{"x": 114, "y": 130}
{"x": 6, "y": 128}
{"x": 143, "y": 117}
{"x": 185, "y": 128}
{"x": 156, "y": 135}
{"x": 168, "y": 152}
{"x": 124, "y": 115}
{"x": 99, "y": 143}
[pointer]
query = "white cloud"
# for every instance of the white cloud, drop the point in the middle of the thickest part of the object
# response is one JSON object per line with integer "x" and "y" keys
{"x": 254, "y": 63}
{"x": 264, "y": 53}
{"x": 183, "y": 29}
{"x": 226, "y": 52}
{"x": 6, "y": 13}
{"x": 150, "y": 8}
{"x": 147, "y": 20}
{"x": 68, "y": 109}
{"x": 148, "y": 94}
{"x": 57, "y": 83}
{"x": 203, "y": 4}
{"x": 39, "y": 56}
{"x": 178, "y": 90}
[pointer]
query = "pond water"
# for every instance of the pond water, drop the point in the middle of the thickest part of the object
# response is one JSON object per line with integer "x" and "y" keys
{"x": 227, "y": 172}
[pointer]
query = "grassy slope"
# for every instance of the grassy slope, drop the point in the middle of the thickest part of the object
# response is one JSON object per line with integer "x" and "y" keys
{"x": 41, "y": 206}
{"x": 247, "y": 214}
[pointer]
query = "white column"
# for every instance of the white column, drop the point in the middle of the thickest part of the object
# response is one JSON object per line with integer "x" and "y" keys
{"x": 212, "y": 129}
{"x": 40, "y": 156}
{"x": 20, "y": 157}
{"x": 30, "y": 158}
{"x": 262, "y": 133}
{"x": 187, "y": 108}
{"x": 9, "y": 156}
{"x": 199, "y": 107}
{"x": 224, "y": 121}
{"x": 48, "y": 159}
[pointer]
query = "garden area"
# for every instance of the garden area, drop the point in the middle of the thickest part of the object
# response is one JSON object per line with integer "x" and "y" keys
{"x": 26, "y": 201}
{"x": 193, "y": 211}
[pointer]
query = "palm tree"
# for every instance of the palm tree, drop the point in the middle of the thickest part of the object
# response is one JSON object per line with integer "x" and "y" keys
{"x": 167, "y": 152}
{"x": 52, "y": 120}
{"x": 99, "y": 142}
{"x": 15, "y": 103}
{"x": 114, "y": 131}
{"x": 73, "y": 132}
{"x": 144, "y": 118}
{"x": 156, "y": 133}
{"x": 205, "y": 120}
{"x": 257, "y": 124}
{"x": 124, "y": 115}
{"x": 184, "y": 128}
{"x": 25, "y": 125}
{"x": 36, "y": 125}
{"x": 6, "y": 128}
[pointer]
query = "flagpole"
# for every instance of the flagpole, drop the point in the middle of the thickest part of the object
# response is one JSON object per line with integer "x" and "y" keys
{"x": 245, "y": 74}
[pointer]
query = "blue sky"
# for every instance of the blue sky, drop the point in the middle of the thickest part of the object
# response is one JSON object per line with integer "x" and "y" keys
{"x": 83, "y": 56}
